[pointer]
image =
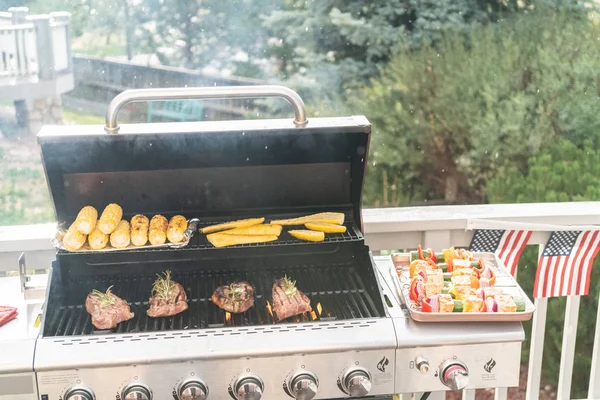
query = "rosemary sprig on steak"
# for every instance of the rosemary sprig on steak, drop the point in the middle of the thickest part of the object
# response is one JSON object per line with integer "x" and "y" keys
{"x": 288, "y": 300}
{"x": 235, "y": 298}
{"x": 163, "y": 286}
{"x": 289, "y": 286}
{"x": 104, "y": 299}
{"x": 107, "y": 309}
{"x": 168, "y": 297}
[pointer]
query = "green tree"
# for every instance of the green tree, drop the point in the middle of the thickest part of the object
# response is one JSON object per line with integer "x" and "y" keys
{"x": 328, "y": 45}
{"x": 225, "y": 35}
{"x": 562, "y": 172}
{"x": 447, "y": 118}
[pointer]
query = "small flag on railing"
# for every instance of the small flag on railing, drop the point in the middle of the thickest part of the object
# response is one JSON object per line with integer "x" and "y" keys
{"x": 506, "y": 244}
{"x": 565, "y": 265}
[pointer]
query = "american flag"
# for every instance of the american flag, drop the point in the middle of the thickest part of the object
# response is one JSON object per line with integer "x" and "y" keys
{"x": 506, "y": 244}
{"x": 565, "y": 265}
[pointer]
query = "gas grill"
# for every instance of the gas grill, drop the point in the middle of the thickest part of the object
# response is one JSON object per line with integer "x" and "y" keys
{"x": 214, "y": 172}
{"x": 352, "y": 344}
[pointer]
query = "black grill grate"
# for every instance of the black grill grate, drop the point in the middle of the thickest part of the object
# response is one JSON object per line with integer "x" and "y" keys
{"x": 339, "y": 289}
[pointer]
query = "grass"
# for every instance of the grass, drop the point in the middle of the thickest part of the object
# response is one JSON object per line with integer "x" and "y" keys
{"x": 79, "y": 118}
{"x": 24, "y": 194}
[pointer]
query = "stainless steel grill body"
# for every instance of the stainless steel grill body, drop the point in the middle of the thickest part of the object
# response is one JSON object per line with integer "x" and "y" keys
{"x": 17, "y": 345}
{"x": 357, "y": 341}
{"x": 491, "y": 352}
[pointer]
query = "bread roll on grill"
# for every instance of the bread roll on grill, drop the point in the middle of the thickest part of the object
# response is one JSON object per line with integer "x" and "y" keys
{"x": 120, "y": 238}
{"x": 158, "y": 230}
{"x": 177, "y": 225}
{"x": 86, "y": 219}
{"x": 73, "y": 239}
{"x": 110, "y": 218}
{"x": 97, "y": 239}
{"x": 139, "y": 229}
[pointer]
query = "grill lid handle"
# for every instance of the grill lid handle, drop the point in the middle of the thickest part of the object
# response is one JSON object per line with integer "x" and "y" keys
{"x": 205, "y": 93}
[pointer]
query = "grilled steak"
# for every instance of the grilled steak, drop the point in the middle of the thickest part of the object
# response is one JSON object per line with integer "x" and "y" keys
{"x": 288, "y": 300}
{"x": 107, "y": 309}
{"x": 235, "y": 298}
{"x": 168, "y": 297}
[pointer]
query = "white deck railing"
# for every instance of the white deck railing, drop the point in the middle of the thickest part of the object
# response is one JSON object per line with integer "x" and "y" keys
{"x": 405, "y": 228}
{"x": 34, "y": 47}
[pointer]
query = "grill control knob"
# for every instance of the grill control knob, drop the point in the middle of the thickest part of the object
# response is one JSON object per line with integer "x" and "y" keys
{"x": 136, "y": 392}
{"x": 79, "y": 394}
{"x": 454, "y": 374}
{"x": 357, "y": 382}
{"x": 248, "y": 388}
{"x": 422, "y": 365}
{"x": 304, "y": 386}
{"x": 192, "y": 390}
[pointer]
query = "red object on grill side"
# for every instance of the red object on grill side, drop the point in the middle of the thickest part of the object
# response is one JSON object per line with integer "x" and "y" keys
{"x": 7, "y": 314}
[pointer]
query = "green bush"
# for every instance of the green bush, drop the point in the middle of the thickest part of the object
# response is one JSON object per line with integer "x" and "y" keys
{"x": 563, "y": 172}
{"x": 446, "y": 119}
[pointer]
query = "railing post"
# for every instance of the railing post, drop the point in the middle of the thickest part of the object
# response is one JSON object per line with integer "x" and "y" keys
{"x": 18, "y": 15}
{"x": 567, "y": 354}
{"x": 64, "y": 17}
{"x": 536, "y": 352}
{"x": 45, "y": 49}
{"x": 594, "y": 390}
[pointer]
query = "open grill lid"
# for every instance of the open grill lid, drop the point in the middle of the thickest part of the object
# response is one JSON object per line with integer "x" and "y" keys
{"x": 208, "y": 169}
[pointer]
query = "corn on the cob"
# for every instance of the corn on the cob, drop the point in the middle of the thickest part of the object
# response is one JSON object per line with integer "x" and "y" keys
{"x": 97, "y": 239}
{"x": 139, "y": 229}
{"x": 110, "y": 218}
{"x": 158, "y": 230}
{"x": 120, "y": 238}
{"x": 73, "y": 239}
{"x": 177, "y": 225}
{"x": 86, "y": 219}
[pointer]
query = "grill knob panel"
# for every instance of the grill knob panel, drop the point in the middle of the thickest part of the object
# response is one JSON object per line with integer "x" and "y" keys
{"x": 304, "y": 386}
{"x": 192, "y": 390}
{"x": 357, "y": 382}
{"x": 249, "y": 388}
{"x": 136, "y": 392}
{"x": 454, "y": 374}
{"x": 79, "y": 394}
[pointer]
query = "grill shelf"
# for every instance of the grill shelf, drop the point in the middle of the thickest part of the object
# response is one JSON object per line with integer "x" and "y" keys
{"x": 199, "y": 241}
{"x": 338, "y": 288}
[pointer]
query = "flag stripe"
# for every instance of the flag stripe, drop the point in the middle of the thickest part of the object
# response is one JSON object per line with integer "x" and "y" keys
{"x": 576, "y": 262}
{"x": 516, "y": 254}
{"x": 566, "y": 276}
{"x": 564, "y": 267}
{"x": 583, "y": 285}
{"x": 505, "y": 244}
{"x": 516, "y": 248}
{"x": 554, "y": 265}
{"x": 541, "y": 278}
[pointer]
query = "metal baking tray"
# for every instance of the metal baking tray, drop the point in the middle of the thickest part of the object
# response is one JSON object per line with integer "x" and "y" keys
{"x": 400, "y": 277}
{"x": 188, "y": 233}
